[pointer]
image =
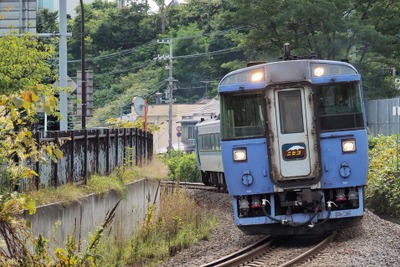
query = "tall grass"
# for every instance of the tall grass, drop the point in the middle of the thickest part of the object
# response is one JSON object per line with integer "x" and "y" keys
{"x": 180, "y": 223}
{"x": 99, "y": 184}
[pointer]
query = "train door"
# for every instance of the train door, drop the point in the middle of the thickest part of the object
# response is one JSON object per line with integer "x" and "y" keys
{"x": 292, "y": 135}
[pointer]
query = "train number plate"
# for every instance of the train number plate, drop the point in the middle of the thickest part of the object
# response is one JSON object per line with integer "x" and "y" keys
{"x": 294, "y": 151}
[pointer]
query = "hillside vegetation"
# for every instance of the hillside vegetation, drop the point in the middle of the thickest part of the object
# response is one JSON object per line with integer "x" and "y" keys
{"x": 125, "y": 46}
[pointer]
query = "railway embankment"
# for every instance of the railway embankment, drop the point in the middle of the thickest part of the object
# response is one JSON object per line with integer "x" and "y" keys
{"x": 56, "y": 221}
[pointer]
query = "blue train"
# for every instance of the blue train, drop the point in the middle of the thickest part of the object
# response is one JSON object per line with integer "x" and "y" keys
{"x": 208, "y": 152}
{"x": 294, "y": 146}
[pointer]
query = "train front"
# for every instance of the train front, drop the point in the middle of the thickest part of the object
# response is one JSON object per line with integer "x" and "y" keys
{"x": 294, "y": 146}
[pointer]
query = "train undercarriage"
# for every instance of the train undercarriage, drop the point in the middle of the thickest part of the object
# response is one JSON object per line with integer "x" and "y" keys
{"x": 299, "y": 211}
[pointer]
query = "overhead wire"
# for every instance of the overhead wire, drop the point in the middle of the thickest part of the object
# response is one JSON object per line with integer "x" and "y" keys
{"x": 115, "y": 54}
{"x": 153, "y": 42}
{"x": 212, "y": 53}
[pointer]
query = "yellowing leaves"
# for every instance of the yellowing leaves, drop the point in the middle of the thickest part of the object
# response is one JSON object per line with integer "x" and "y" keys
{"x": 49, "y": 151}
{"x": 27, "y": 96}
{"x": 58, "y": 153}
{"x": 54, "y": 152}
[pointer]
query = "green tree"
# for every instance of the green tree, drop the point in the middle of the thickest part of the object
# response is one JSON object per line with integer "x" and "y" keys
{"x": 23, "y": 68}
{"x": 362, "y": 31}
{"x": 23, "y": 63}
{"x": 117, "y": 43}
{"x": 21, "y": 99}
{"x": 46, "y": 21}
{"x": 163, "y": 11}
{"x": 142, "y": 83}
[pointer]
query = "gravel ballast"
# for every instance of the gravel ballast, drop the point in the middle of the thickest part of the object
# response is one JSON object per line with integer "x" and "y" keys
{"x": 373, "y": 242}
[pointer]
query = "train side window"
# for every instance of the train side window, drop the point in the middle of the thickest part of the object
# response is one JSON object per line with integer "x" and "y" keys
{"x": 218, "y": 141}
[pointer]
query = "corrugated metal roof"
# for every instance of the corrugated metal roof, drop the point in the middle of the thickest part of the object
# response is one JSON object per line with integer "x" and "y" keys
{"x": 212, "y": 107}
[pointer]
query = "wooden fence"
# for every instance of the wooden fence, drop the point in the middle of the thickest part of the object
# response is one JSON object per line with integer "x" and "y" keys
{"x": 88, "y": 152}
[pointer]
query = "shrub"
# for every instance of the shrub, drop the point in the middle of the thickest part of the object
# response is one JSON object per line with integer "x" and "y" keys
{"x": 187, "y": 169}
{"x": 383, "y": 188}
{"x": 182, "y": 166}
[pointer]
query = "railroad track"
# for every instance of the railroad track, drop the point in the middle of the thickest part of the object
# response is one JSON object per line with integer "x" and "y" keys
{"x": 244, "y": 255}
{"x": 188, "y": 185}
{"x": 266, "y": 252}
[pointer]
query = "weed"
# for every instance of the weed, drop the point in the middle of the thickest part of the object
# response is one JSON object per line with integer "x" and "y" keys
{"x": 179, "y": 224}
{"x": 116, "y": 181}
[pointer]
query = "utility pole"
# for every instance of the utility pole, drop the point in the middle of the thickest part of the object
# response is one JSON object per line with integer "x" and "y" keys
{"x": 63, "y": 104}
{"x": 206, "y": 83}
{"x": 170, "y": 89}
{"x": 83, "y": 67}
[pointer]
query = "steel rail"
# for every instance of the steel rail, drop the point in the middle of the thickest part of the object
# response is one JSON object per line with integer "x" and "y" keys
{"x": 242, "y": 255}
{"x": 310, "y": 252}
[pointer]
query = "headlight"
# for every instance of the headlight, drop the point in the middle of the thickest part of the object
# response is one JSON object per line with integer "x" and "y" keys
{"x": 257, "y": 76}
{"x": 319, "y": 71}
{"x": 348, "y": 145}
{"x": 239, "y": 154}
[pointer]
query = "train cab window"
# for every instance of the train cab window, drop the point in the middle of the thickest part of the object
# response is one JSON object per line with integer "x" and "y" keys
{"x": 339, "y": 107}
{"x": 291, "y": 112}
{"x": 242, "y": 116}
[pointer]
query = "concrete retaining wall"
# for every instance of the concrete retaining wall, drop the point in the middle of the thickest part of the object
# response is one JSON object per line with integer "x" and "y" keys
{"x": 85, "y": 216}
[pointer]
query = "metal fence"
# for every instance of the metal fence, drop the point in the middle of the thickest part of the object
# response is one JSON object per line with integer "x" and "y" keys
{"x": 88, "y": 152}
{"x": 382, "y": 118}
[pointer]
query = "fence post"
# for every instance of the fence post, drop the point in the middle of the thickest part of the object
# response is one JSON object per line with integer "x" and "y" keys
{"x": 136, "y": 147}
{"x": 97, "y": 150}
{"x": 85, "y": 156}
{"x": 131, "y": 146}
{"x": 107, "y": 145}
{"x": 72, "y": 156}
{"x": 150, "y": 146}
{"x": 116, "y": 146}
{"x": 124, "y": 159}
{"x": 55, "y": 180}
{"x": 37, "y": 179}
{"x": 145, "y": 147}
{"x": 142, "y": 141}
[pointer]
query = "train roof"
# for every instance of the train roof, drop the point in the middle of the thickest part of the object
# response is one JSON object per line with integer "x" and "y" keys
{"x": 208, "y": 122}
{"x": 291, "y": 71}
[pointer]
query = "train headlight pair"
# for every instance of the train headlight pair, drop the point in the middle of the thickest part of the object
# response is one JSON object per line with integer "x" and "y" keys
{"x": 348, "y": 145}
{"x": 239, "y": 154}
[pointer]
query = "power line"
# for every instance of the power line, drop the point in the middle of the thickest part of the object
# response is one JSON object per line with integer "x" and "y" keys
{"x": 153, "y": 42}
{"x": 215, "y": 33}
{"x": 115, "y": 54}
{"x": 212, "y": 53}
{"x": 138, "y": 66}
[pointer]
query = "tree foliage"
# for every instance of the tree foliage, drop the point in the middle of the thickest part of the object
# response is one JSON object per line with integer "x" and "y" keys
{"x": 46, "y": 21}
{"x": 213, "y": 37}
{"x": 360, "y": 31}
{"x": 23, "y": 70}
{"x": 23, "y": 95}
{"x": 23, "y": 63}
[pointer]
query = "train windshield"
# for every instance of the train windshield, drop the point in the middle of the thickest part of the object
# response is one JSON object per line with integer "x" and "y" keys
{"x": 242, "y": 116}
{"x": 339, "y": 107}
